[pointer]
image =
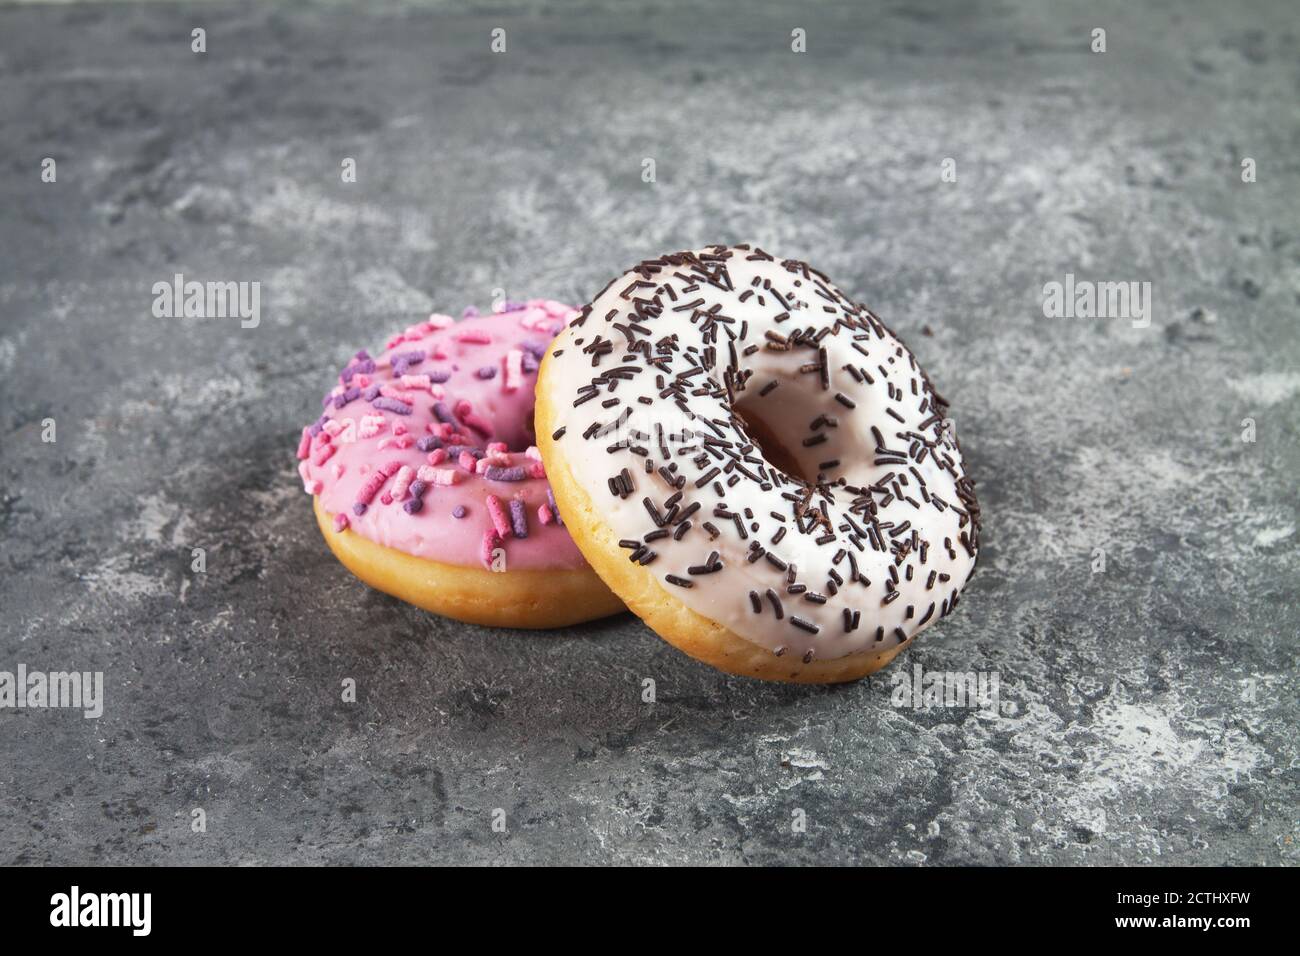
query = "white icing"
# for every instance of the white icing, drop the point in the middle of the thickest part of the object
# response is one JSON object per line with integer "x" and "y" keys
{"x": 793, "y": 411}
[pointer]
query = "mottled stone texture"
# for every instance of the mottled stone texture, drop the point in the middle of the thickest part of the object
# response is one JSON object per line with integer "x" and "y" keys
{"x": 1148, "y": 713}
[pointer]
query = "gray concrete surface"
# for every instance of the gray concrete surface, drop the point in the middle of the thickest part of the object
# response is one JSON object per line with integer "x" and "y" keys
{"x": 1147, "y": 712}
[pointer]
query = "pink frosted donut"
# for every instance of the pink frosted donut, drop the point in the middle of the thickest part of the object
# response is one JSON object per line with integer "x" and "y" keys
{"x": 427, "y": 481}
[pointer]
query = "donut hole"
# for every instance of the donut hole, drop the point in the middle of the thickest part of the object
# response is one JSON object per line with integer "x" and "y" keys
{"x": 523, "y": 435}
{"x": 517, "y": 433}
{"x": 766, "y": 436}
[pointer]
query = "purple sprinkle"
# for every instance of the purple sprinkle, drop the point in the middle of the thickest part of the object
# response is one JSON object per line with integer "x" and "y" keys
{"x": 493, "y": 473}
{"x": 391, "y": 405}
{"x": 359, "y": 508}
{"x": 403, "y": 361}
{"x": 413, "y": 357}
{"x": 454, "y": 451}
{"x": 514, "y": 307}
{"x": 536, "y": 349}
{"x": 470, "y": 312}
{"x": 487, "y": 371}
{"x": 428, "y": 443}
{"x": 317, "y": 425}
{"x": 555, "y": 509}
{"x": 418, "y": 488}
{"x": 349, "y": 395}
{"x": 444, "y": 415}
{"x": 363, "y": 365}
{"x": 413, "y": 506}
{"x": 371, "y": 393}
{"x": 518, "y": 518}
{"x": 459, "y": 511}
{"x": 439, "y": 375}
{"x": 529, "y": 362}
{"x": 362, "y": 355}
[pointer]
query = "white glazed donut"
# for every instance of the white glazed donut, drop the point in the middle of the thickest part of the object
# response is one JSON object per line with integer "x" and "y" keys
{"x": 757, "y": 466}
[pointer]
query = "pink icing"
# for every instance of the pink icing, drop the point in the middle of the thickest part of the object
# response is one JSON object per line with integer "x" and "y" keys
{"x": 450, "y": 425}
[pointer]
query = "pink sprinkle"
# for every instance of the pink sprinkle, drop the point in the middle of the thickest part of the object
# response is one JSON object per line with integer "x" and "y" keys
{"x": 467, "y": 461}
{"x": 500, "y": 520}
{"x": 445, "y": 476}
{"x": 474, "y": 337}
{"x": 533, "y": 453}
{"x": 392, "y": 391}
{"x": 371, "y": 425}
{"x": 368, "y": 491}
{"x": 386, "y": 498}
{"x": 421, "y": 382}
{"x": 497, "y": 448}
{"x": 349, "y": 432}
{"x": 437, "y": 456}
{"x": 491, "y": 461}
{"x": 536, "y": 470}
{"x": 439, "y": 321}
{"x": 322, "y": 454}
{"x": 437, "y": 391}
{"x": 491, "y": 541}
{"x": 304, "y": 444}
{"x": 402, "y": 482}
{"x": 472, "y": 420}
{"x": 399, "y": 441}
{"x": 376, "y": 481}
{"x": 308, "y": 483}
{"x": 514, "y": 376}
{"x": 340, "y": 521}
{"x": 315, "y": 487}
{"x": 544, "y": 514}
{"x": 338, "y": 469}
{"x": 546, "y": 315}
{"x": 443, "y": 430}
{"x": 332, "y": 427}
{"x": 361, "y": 380}
{"x": 399, "y": 428}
